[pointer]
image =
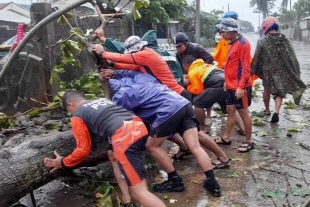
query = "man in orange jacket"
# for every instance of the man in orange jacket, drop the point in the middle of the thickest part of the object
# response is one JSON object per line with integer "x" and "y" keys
{"x": 206, "y": 83}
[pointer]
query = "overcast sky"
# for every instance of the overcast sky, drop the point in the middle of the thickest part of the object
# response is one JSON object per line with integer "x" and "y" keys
{"x": 240, "y": 6}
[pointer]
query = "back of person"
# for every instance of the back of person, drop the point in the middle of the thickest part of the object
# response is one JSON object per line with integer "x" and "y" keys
{"x": 152, "y": 63}
{"x": 171, "y": 59}
{"x": 148, "y": 99}
{"x": 102, "y": 117}
{"x": 197, "y": 51}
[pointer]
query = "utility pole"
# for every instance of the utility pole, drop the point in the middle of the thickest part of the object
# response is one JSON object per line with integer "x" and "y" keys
{"x": 197, "y": 22}
{"x": 290, "y": 5}
{"x": 228, "y": 7}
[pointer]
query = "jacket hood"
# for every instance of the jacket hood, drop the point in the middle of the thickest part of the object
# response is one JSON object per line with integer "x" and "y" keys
{"x": 196, "y": 63}
{"x": 276, "y": 38}
{"x": 151, "y": 37}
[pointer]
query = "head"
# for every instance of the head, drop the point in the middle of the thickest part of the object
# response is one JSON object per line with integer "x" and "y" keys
{"x": 187, "y": 61}
{"x": 134, "y": 44}
{"x": 180, "y": 41}
{"x": 72, "y": 99}
{"x": 229, "y": 28}
{"x": 270, "y": 24}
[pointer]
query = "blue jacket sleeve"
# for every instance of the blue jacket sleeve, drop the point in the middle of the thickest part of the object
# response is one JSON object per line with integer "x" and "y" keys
{"x": 119, "y": 74}
{"x": 114, "y": 46}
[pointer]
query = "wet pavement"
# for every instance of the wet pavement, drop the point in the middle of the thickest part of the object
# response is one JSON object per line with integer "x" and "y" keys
{"x": 278, "y": 167}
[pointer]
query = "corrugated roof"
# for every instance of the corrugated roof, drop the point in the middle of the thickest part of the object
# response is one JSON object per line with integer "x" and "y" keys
{"x": 9, "y": 16}
{"x": 2, "y": 5}
{"x": 306, "y": 18}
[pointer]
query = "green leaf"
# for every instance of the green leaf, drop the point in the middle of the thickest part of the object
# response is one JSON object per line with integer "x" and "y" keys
{"x": 262, "y": 134}
{"x": 234, "y": 205}
{"x": 165, "y": 197}
{"x": 296, "y": 191}
{"x": 276, "y": 194}
{"x": 293, "y": 129}
{"x": 59, "y": 69}
{"x": 61, "y": 21}
{"x": 34, "y": 113}
{"x": 258, "y": 123}
{"x": 258, "y": 114}
{"x": 232, "y": 174}
{"x": 195, "y": 181}
{"x": 61, "y": 94}
{"x": 54, "y": 77}
{"x": 289, "y": 105}
{"x": 90, "y": 96}
{"x": 5, "y": 122}
{"x": 68, "y": 15}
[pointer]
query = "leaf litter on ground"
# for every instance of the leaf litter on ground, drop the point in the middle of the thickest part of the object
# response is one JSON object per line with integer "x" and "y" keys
{"x": 275, "y": 194}
{"x": 232, "y": 174}
{"x": 262, "y": 134}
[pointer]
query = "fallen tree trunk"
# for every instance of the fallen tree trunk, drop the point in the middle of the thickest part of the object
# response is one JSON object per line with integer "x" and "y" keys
{"x": 22, "y": 168}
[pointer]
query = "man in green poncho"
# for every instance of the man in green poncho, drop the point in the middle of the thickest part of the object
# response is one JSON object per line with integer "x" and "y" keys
{"x": 151, "y": 37}
{"x": 275, "y": 62}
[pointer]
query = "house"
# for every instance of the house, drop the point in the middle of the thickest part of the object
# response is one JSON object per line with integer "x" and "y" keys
{"x": 304, "y": 26}
{"x": 12, "y": 14}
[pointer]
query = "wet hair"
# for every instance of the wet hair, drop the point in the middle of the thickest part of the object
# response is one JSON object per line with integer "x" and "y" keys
{"x": 71, "y": 96}
{"x": 188, "y": 60}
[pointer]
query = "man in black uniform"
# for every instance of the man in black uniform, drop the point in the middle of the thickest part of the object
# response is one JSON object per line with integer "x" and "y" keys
{"x": 101, "y": 123}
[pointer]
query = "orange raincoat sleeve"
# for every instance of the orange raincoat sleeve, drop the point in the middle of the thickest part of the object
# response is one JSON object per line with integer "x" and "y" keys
{"x": 122, "y": 61}
{"x": 83, "y": 143}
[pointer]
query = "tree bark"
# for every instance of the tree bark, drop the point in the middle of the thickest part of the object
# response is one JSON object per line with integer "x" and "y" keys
{"x": 22, "y": 168}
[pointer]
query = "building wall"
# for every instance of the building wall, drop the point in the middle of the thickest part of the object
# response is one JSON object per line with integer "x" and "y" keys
{"x": 17, "y": 9}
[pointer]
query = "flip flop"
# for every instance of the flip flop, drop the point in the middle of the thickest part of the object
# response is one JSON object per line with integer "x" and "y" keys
{"x": 187, "y": 152}
{"x": 222, "y": 164}
{"x": 267, "y": 114}
{"x": 248, "y": 147}
{"x": 224, "y": 142}
{"x": 240, "y": 132}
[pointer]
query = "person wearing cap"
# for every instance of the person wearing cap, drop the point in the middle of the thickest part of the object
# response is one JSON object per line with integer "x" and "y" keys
{"x": 138, "y": 57}
{"x": 238, "y": 84}
{"x": 275, "y": 62}
{"x": 184, "y": 48}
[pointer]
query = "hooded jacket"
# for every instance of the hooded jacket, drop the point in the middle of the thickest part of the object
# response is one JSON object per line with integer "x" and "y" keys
{"x": 142, "y": 94}
{"x": 275, "y": 62}
{"x": 151, "y": 37}
{"x": 221, "y": 51}
{"x": 202, "y": 76}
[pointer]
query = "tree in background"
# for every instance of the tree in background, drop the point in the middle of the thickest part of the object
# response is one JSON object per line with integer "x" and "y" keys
{"x": 160, "y": 11}
{"x": 246, "y": 26}
{"x": 263, "y": 5}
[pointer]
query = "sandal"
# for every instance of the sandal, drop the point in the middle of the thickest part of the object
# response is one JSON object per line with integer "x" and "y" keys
{"x": 267, "y": 114}
{"x": 240, "y": 131}
{"x": 248, "y": 147}
{"x": 187, "y": 152}
{"x": 223, "y": 142}
{"x": 221, "y": 165}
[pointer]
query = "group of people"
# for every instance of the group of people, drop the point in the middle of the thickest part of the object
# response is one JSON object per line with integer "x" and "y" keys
{"x": 159, "y": 96}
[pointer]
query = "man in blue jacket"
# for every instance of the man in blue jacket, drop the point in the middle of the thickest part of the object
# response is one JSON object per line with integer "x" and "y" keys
{"x": 168, "y": 113}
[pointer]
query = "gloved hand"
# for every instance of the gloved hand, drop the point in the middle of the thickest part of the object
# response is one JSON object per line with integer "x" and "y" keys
{"x": 97, "y": 48}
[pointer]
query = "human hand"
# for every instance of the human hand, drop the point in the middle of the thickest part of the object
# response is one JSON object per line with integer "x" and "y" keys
{"x": 239, "y": 93}
{"x": 53, "y": 163}
{"x": 97, "y": 48}
{"x": 106, "y": 73}
{"x": 224, "y": 86}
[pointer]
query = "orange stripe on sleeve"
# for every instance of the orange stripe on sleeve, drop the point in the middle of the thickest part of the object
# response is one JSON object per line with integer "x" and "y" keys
{"x": 83, "y": 143}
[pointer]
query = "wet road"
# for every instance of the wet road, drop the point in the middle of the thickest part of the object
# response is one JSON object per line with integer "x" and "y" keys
{"x": 278, "y": 167}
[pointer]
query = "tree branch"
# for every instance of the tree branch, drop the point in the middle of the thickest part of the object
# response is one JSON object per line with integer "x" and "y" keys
{"x": 74, "y": 34}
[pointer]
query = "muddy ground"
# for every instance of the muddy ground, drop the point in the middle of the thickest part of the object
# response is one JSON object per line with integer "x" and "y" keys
{"x": 278, "y": 167}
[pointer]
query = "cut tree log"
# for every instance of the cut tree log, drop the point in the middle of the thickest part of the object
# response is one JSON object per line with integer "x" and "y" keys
{"x": 22, "y": 169}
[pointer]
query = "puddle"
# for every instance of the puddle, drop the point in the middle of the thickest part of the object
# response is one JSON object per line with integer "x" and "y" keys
{"x": 202, "y": 202}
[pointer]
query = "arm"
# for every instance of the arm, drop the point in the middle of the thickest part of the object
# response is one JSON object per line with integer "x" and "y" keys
{"x": 83, "y": 143}
{"x": 118, "y": 74}
{"x": 244, "y": 57}
{"x": 203, "y": 54}
{"x": 122, "y": 66}
{"x": 122, "y": 61}
{"x": 195, "y": 85}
